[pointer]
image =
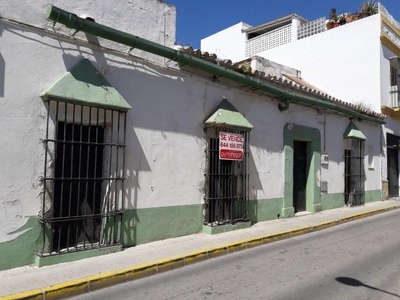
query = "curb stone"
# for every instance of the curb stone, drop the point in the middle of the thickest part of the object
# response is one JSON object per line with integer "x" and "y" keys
{"x": 96, "y": 282}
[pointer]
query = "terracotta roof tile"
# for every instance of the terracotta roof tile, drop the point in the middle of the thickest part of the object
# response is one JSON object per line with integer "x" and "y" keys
{"x": 294, "y": 83}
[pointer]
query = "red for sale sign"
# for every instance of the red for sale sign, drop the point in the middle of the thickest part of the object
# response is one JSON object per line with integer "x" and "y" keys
{"x": 230, "y": 146}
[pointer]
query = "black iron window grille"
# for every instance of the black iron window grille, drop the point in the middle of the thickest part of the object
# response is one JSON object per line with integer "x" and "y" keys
{"x": 354, "y": 174}
{"x": 227, "y": 182}
{"x": 84, "y": 174}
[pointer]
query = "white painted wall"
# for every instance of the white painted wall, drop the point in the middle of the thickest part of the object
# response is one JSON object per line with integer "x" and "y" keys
{"x": 331, "y": 129}
{"x": 29, "y": 63}
{"x": 344, "y": 61}
{"x": 154, "y": 20}
{"x": 391, "y": 126}
{"x": 295, "y": 28}
{"x": 386, "y": 54}
{"x": 372, "y": 146}
{"x": 165, "y": 139}
{"x": 229, "y": 43}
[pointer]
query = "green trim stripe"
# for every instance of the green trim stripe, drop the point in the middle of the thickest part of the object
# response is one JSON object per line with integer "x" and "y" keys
{"x": 332, "y": 201}
{"x": 146, "y": 225}
{"x": 265, "y": 209}
{"x": 21, "y": 250}
{"x": 373, "y": 196}
{"x": 313, "y": 192}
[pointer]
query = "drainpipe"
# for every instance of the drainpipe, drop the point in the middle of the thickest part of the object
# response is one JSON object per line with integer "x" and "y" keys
{"x": 73, "y": 21}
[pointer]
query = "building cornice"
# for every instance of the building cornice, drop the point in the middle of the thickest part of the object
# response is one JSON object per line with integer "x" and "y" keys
{"x": 387, "y": 30}
{"x": 394, "y": 113}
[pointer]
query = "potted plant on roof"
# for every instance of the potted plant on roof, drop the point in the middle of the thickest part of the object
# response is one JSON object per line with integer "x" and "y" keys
{"x": 368, "y": 8}
{"x": 356, "y": 16}
{"x": 342, "y": 20}
{"x": 336, "y": 22}
{"x": 372, "y": 8}
{"x": 349, "y": 17}
{"x": 332, "y": 19}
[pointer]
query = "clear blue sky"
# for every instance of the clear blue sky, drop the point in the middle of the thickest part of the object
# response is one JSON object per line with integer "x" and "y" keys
{"x": 197, "y": 19}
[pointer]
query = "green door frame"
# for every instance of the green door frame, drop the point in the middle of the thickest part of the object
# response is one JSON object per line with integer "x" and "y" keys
{"x": 313, "y": 191}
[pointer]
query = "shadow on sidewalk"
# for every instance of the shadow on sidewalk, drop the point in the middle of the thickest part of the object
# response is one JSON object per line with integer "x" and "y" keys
{"x": 356, "y": 283}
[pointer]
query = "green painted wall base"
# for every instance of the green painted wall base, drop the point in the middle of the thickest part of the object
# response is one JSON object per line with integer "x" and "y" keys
{"x": 225, "y": 228}
{"x": 265, "y": 209}
{"x": 317, "y": 207}
{"x": 146, "y": 225}
{"x": 287, "y": 212}
{"x": 68, "y": 257}
{"x": 332, "y": 201}
{"x": 151, "y": 224}
{"x": 373, "y": 196}
{"x": 21, "y": 251}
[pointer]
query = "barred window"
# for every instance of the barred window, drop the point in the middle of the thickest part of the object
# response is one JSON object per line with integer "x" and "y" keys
{"x": 354, "y": 172}
{"x": 227, "y": 180}
{"x": 84, "y": 176}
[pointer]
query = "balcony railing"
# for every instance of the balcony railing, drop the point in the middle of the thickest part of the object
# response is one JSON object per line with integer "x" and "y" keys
{"x": 311, "y": 28}
{"x": 269, "y": 40}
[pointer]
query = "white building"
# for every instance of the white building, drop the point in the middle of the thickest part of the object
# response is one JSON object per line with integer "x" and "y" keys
{"x": 242, "y": 40}
{"x": 357, "y": 62}
{"x": 105, "y": 147}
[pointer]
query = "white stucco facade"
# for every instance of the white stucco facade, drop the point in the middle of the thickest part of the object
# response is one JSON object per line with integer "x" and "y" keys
{"x": 155, "y": 20}
{"x": 348, "y": 56}
{"x": 386, "y": 54}
{"x": 353, "y": 63}
{"x": 165, "y": 140}
{"x": 356, "y": 68}
{"x": 228, "y": 43}
{"x": 37, "y": 61}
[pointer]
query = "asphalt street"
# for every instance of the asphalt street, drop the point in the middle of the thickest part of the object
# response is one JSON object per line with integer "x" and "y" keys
{"x": 357, "y": 260}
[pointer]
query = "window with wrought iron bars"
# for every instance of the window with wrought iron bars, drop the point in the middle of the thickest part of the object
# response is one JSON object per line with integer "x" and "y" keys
{"x": 227, "y": 182}
{"x": 84, "y": 174}
{"x": 354, "y": 175}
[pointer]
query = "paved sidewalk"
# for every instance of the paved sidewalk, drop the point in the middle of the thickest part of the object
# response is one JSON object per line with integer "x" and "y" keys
{"x": 171, "y": 253}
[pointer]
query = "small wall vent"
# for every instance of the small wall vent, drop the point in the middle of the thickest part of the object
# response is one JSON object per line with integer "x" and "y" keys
{"x": 324, "y": 159}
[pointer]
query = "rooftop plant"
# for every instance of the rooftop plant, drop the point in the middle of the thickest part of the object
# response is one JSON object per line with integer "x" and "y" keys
{"x": 370, "y": 7}
{"x": 333, "y": 16}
